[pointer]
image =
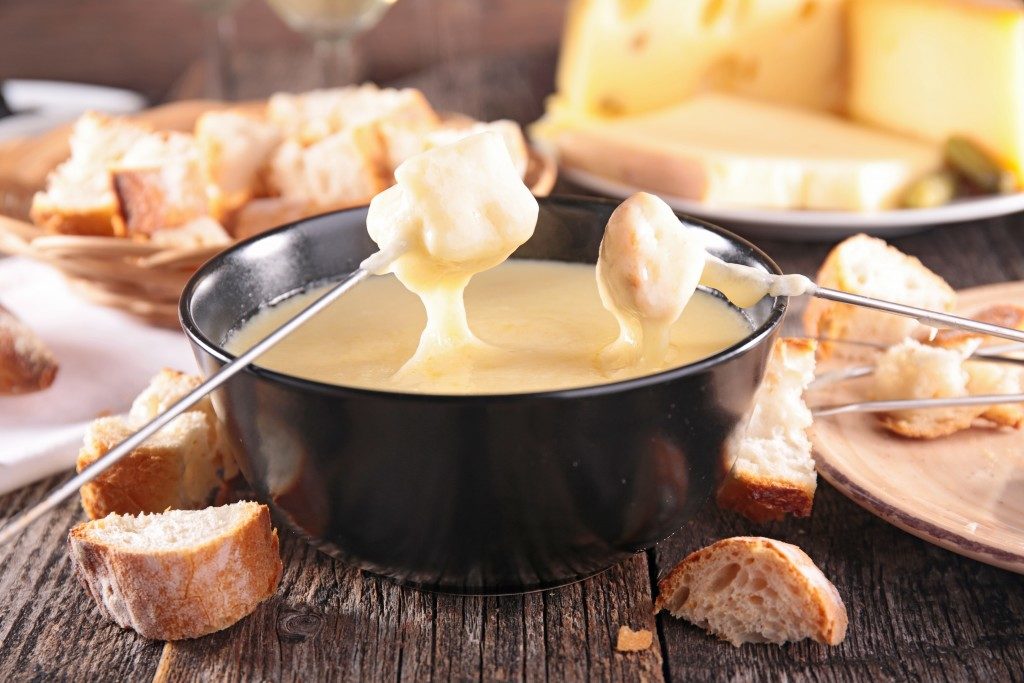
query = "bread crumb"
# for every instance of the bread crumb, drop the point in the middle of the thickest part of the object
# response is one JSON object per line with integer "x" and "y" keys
{"x": 633, "y": 641}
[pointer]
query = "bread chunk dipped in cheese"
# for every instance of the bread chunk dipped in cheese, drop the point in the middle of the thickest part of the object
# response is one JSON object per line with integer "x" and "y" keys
{"x": 648, "y": 268}
{"x": 454, "y": 211}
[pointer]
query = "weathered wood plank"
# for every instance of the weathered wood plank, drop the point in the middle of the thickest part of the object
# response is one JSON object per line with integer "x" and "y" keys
{"x": 327, "y": 622}
{"x": 917, "y": 612}
{"x": 49, "y": 627}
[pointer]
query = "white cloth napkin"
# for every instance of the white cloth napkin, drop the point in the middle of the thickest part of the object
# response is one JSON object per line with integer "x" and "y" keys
{"x": 106, "y": 358}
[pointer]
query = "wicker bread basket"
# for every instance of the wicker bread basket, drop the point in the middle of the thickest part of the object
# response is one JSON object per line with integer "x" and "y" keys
{"x": 140, "y": 278}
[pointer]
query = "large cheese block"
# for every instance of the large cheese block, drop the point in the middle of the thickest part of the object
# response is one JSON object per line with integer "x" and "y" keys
{"x": 628, "y": 56}
{"x": 934, "y": 68}
{"x": 722, "y": 149}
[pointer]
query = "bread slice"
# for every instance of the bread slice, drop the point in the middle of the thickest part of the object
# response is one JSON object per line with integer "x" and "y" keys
{"x": 165, "y": 389}
{"x": 870, "y": 267}
{"x": 198, "y": 233}
{"x": 183, "y": 466}
{"x": 769, "y": 466}
{"x": 26, "y": 364}
{"x": 342, "y": 170}
{"x": 79, "y": 196}
{"x": 315, "y": 115}
{"x": 233, "y": 148}
{"x": 172, "y": 469}
{"x": 939, "y": 368}
{"x": 179, "y": 574}
{"x": 754, "y": 590}
{"x": 913, "y": 370}
{"x": 159, "y": 184}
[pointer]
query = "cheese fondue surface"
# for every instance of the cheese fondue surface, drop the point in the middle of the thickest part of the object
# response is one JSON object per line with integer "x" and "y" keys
{"x": 542, "y": 325}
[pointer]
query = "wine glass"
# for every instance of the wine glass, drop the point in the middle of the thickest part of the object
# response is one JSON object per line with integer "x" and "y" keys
{"x": 219, "y": 30}
{"x": 331, "y": 25}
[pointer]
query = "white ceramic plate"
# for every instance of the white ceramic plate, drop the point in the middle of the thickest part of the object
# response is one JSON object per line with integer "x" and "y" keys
{"x": 816, "y": 225}
{"x": 963, "y": 492}
{"x": 41, "y": 105}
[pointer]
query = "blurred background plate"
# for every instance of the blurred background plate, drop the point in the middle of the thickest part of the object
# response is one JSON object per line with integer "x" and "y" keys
{"x": 817, "y": 226}
{"x": 41, "y": 105}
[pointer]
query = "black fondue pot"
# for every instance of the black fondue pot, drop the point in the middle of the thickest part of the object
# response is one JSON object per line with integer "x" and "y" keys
{"x": 477, "y": 494}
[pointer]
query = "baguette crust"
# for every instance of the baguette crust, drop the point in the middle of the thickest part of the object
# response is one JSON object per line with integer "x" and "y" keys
{"x": 26, "y": 364}
{"x": 768, "y": 466}
{"x": 150, "y": 478}
{"x": 92, "y": 222}
{"x": 179, "y": 594}
{"x": 765, "y": 499}
{"x": 867, "y": 265}
{"x": 705, "y": 578}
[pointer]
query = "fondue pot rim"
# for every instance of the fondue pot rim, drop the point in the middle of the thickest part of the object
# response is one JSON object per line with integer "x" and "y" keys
{"x": 216, "y": 350}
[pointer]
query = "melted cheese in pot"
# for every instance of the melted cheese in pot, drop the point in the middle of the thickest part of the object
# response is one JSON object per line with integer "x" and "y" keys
{"x": 541, "y": 324}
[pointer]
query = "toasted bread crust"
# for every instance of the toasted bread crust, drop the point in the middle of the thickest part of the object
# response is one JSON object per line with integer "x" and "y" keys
{"x": 829, "y": 613}
{"x": 173, "y": 595}
{"x": 925, "y": 428}
{"x": 94, "y": 223}
{"x": 147, "y": 480}
{"x": 768, "y": 498}
{"x": 26, "y": 364}
{"x": 761, "y": 499}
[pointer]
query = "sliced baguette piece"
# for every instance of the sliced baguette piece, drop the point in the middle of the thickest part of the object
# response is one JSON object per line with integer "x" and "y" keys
{"x": 315, "y": 115}
{"x": 26, "y": 363}
{"x": 768, "y": 460}
{"x": 233, "y": 148}
{"x": 868, "y": 266}
{"x": 183, "y": 466}
{"x": 165, "y": 389}
{"x": 911, "y": 370}
{"x": 159, "y": 184}
{"x": 79, "y": 197}
{"x": 179, "y": 574}
{"x": 342, "y": 170}
{"x": 990, "y": 378}
{"x": 749, "y": 589}
{"x": 172, "y": 469}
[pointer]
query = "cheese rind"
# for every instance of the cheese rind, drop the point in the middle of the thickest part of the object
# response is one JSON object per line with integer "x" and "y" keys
{"x": 721, "y": 149}
{"x": 630, "y": 56}
{"x": 936, "y": 68}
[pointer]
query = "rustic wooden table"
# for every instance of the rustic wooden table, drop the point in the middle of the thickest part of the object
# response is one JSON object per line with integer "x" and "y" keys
{"x": 916, "y": 612}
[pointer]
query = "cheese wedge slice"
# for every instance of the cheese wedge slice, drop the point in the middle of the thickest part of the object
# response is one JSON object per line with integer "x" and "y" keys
{"x": 935, "y": 68}
{"x": 629, "y": 56}
{"x": 725, "y": 150}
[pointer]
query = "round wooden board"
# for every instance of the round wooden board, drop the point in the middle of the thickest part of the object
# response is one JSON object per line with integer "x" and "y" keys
{"x": 964, "y": 492}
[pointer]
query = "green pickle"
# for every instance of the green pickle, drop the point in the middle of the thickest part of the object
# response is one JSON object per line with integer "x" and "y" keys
{"x": 931, "y": 190}
{"x": 979, "y": 167}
